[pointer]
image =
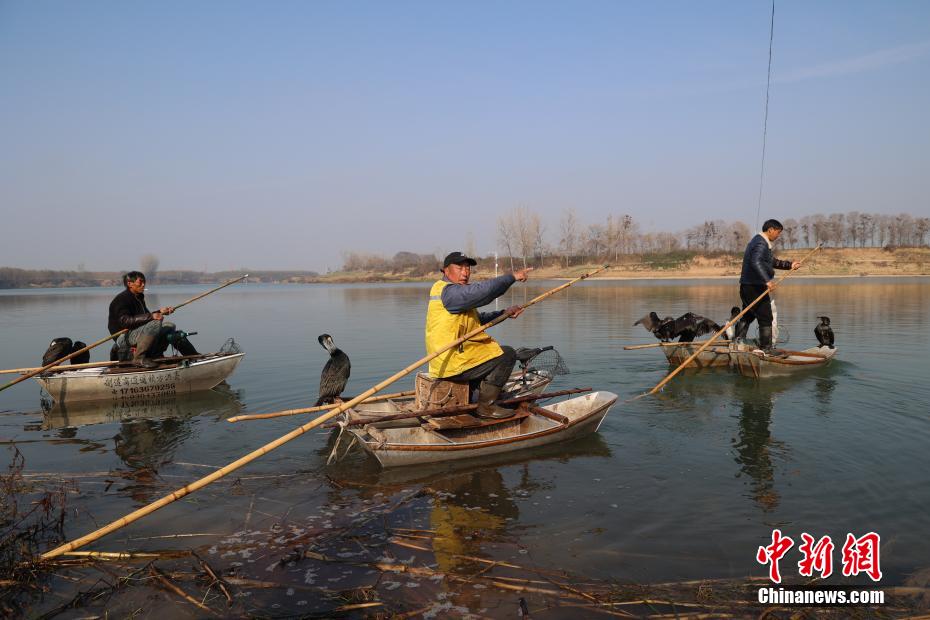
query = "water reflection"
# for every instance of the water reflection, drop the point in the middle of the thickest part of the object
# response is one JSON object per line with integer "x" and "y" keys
{"x": 221, "y": 400}
{"x": 150, "y": 431}
{"x": 472, "y": 504}
{"x": 754, "y": 444}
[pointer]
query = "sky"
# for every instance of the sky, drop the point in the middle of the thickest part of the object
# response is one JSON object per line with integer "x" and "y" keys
{"x": 278, "y": 135}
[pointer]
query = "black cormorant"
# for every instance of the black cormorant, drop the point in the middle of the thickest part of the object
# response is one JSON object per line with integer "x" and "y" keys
{"x": 335, "y": 374}
{"x": 731, "y": 330}
{"x": 824, "y": 332}
{"x": 686, "y": 327}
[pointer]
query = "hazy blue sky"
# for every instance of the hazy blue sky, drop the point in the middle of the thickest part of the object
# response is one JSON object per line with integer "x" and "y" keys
{"x": 277, "y": 134}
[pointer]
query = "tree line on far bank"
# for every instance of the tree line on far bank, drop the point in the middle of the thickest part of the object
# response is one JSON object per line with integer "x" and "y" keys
{"x": 524, "y": 239}
{"x": 11, "y": 277}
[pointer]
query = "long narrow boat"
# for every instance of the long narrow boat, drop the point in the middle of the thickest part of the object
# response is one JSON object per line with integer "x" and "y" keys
{"x": 448, "y": 439}
{"x": 750, "y": 362}
{"x": 120, "y": 383}
{"x": 713, "y": 356}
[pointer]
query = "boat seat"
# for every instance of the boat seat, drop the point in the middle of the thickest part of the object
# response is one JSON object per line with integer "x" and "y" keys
{"x": 435, "y": 393}
{"x": 470, "y": 421}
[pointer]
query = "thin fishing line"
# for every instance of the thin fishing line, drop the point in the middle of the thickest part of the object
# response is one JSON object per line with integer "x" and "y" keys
{"x": 765, "y": 120}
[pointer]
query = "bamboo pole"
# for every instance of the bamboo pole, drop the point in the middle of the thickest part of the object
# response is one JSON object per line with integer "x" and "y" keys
{"x": 634, "y": 347}
{"x": 33, "y": 373}
{"x": 287, "y": 412}
{"x": 297, "y": 432}
{"x": 707, "y": 343}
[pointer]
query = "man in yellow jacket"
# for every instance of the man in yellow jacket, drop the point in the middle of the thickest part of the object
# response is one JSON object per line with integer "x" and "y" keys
{"x": 452, "y": 313}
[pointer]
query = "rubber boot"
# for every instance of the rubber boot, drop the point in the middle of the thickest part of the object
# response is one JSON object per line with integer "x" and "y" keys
{"x": 765, "y": 340}
{"x": 486, "y": 397}
{"x": 141, "y": 358}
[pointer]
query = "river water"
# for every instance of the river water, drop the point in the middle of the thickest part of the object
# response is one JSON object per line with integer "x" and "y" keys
{"x": 685, "y": 485}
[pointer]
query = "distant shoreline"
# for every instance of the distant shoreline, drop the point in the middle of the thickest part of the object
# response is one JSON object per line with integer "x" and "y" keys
{"x": 828, "y": 263}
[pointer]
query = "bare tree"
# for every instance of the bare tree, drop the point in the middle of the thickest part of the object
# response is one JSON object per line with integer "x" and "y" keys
{"x": 740, "y": 234}
{"x": 790, "y": 233}
{"x": 149, "y": 265}
{"x": 469, "y": 244}
{"x": 506, "y": 236}
{"x": 568, "y": 229}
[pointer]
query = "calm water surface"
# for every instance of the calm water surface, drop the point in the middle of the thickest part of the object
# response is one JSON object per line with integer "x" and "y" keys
{"x": 681, "y": 486}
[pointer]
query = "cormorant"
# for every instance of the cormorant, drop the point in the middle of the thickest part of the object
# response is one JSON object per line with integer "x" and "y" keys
{"x": 57, "y": 349}
{"x": 335, "y": 373}
{"x": 731, "y": 330}
{"x": 824, "y": 332}
{"x": 686, "y": 327}
{"x": 84, "y": 357}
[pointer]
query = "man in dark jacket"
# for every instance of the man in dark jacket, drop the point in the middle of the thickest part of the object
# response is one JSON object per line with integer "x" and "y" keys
{"x": 759, "y": 265}
{"x": 148, "y": 331}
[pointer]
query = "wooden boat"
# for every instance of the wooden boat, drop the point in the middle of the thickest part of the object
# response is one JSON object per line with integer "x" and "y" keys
{"x": 128, "y": 383}
{"x": 465, "y": 436}
{"x": 751, "y": 362}
{"x": 521, "y": 383}
{"x": 713, "y": 356}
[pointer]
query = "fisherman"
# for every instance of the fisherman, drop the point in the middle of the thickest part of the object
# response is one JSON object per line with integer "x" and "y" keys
{"x": 148, "y": 331}
{"x": 452, "y": 313}
{"x": 759, "y": 265}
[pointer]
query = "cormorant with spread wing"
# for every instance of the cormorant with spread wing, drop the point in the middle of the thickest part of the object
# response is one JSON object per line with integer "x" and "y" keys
{"x": 686, "y": 327}
{"x": 335, "y": 373}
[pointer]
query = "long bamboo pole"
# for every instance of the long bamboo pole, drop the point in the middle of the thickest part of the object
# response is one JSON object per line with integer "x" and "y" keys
{"x": 110, "y": 337}
{"x": 707, "y": 343}
{"x": 287, "y": 412}
{"x": 297, "y": 432}
{"x": 634, "y": 347}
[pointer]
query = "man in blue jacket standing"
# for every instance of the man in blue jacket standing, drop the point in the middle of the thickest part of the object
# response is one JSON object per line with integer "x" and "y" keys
{"x": 757, "y": 276}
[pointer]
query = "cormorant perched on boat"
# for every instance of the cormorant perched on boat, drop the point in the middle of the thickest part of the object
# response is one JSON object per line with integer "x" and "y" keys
{"x": 651, "y": 323}
{"x": 686, "y": 327}
{"x": 57, "y": 349}
{"x": 84, "y": 357}
{"x": 824, "y": 332}
{"x": 731, "y": 330}
{"x": 61, "y": 347}
{"x": 335, "y": 374}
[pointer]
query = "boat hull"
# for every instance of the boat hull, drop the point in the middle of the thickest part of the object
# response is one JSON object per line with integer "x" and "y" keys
{"x": 400, "y": 447}
{"x": 711, "y": 357}
{"x": 103, "y": 384}
{"x": 752, "y": 363}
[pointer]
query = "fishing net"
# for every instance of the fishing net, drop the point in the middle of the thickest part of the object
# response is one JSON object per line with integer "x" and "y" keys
{"x": 537, "y": 368}
{"x": 546, "y": 360}
{"x": 230, "y": 348}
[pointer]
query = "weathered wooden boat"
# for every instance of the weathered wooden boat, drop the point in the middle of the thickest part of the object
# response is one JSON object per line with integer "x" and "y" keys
{"x": 751, "y": 362}
{"x": 465, "y": 436}
{"x": 174, "y": 377}
{"x": 714, "y": 356}
{"x": 521, "y": 383}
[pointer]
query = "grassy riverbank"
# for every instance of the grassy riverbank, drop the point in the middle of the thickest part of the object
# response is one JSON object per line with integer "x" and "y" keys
{"x": 827, "y": 262}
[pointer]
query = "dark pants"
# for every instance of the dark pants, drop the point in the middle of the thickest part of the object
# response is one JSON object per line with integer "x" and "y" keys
{"x": 495, "y": 371}
{"x": 762, "y": 310}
